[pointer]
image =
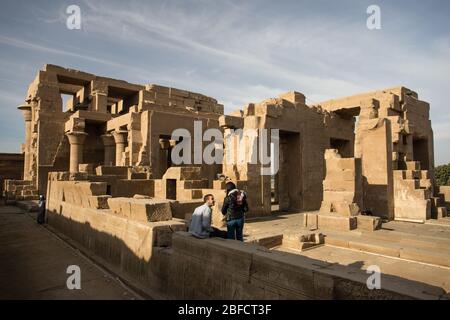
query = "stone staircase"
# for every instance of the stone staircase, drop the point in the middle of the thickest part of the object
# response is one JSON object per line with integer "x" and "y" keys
{"x": 444, "y": 198}
{"x": 413, "y": 195}
{"x": 191, "y": 187}
{"x": 438, "y": 208}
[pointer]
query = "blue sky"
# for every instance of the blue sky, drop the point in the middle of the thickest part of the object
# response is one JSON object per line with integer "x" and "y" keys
{"x": 235, "y": 51}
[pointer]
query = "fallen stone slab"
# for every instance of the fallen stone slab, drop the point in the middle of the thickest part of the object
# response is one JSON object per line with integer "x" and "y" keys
{"x": 144, "y": 210}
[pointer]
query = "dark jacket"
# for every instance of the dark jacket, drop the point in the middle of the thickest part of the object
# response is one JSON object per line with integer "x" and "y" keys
{"x": 41, "y": 212}
{"x": 230, "y": 209}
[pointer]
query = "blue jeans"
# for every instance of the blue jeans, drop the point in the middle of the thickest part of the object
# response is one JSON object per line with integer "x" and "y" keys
{"x": 235, "y": 228}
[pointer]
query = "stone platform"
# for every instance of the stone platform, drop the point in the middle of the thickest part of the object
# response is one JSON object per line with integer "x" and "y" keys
{"x": 416, "y": 253}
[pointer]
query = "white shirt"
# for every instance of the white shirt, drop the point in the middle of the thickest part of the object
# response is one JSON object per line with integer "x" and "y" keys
{"x": 200, "y": 225}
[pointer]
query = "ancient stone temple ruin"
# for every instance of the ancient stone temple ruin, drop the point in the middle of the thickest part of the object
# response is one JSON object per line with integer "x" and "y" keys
{"x": 382, "y": 141}
{"x": 100, "y": 150}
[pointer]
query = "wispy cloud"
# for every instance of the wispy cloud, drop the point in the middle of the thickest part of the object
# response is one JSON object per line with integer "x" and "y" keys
{"x": 37, "y": 47}
{"x": 10, "y": 98}
{"x": 221, "y": 38}
{"x": 241, "y": 51}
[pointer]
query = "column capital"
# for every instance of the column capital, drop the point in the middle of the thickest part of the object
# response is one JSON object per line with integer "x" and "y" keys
{"x": 108, "y": 139}
{"x": 120, "y": 136}
{"x": 76, "y": 137}
{"x": 26, "y": 111}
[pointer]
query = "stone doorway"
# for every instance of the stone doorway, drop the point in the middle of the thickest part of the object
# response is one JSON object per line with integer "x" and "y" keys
{"x": 171, "y": 189}
{"x": 420, "y": 153}
{"x": 286, "y": 184}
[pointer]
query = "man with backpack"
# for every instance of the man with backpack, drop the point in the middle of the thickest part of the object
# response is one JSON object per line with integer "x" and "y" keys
{"x": 234, "y": 208}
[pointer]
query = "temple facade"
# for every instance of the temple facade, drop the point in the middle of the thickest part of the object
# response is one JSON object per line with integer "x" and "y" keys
{"x": 369, "y": 154}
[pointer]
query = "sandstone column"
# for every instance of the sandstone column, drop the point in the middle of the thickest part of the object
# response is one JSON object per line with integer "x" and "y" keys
{"x": 76, "y": 140}
{"x": 108, "y": 142}
{"x": 27, "y": 115}
{"x": 120, "y": 137}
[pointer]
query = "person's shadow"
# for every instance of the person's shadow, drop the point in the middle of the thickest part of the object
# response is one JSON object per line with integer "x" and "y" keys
{"x": 217, "y": 233}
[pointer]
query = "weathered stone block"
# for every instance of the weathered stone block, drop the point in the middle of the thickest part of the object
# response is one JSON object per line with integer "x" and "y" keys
{"x": 75, "y": 124}
{"x": 272, "y": 267}
{"x": 231, "y": 122}
{"x": 441, "y": 212}
{"x": 128, "y": 188}
{"x": 141, "y": 196}
{"x": 310, "y": 220}
{"x": 338, "y": 164}
{"x": 341, "y": 175}
{"x": 219, "y": 108}
{"x": 368, "y": 223}
{"x": 335, "y": 222}
{"x": 427, "y": 256}
{"x": 333, "y": 196}
{"x": 150, "y": 210}
{"x": 413, "y": 209}
{"x": 375, "y": 247}
{"x": 181, "y": 208}
{"x": 162, "y": 234}
{"x": 294, "y": 97}
{"x": 326, "y": 207}
{"x": 339, "y": 185}
{"x": 411, "y": 174}
{"x": 112, "y": 170}
{"x": 99, "y": 202}
{"x": 346, "y": 209}
{"x": 137, "y": 175}
{"x": 86, "y": 168}
{"x": 412, "y": 165}
{"x": 183, "y": 173}
{"x": 120, "y": 206}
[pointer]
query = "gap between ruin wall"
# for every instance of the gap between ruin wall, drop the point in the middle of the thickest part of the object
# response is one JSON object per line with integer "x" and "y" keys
{"x": 11, "y": 167}
{"x": 51, "y": 133}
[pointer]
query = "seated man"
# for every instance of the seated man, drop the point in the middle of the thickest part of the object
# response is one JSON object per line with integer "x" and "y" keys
{"x": 200, "y": 225}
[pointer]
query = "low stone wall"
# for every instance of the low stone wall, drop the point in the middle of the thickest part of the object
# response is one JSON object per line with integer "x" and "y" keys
{"x": 11, "y": 167}
{"x": 164, "y": 261}
{"x": 412, "y": 195}
{"x": 127, "y": 247}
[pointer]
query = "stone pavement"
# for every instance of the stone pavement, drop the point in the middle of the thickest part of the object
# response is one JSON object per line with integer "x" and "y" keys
{"x": 33, "y": 264}
{"x": 412, "y": 257}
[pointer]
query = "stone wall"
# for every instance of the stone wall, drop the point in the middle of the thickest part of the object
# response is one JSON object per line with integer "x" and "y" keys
{"x": 305, "y": 133}
{"x": 98, "y": 107}
{"x": 11, "y": 167}
{"x": 342, "y": 197}
{"x": 163, "y": 261}
{"x": 412, "y": 194}
{"x": 20, "y": 190}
